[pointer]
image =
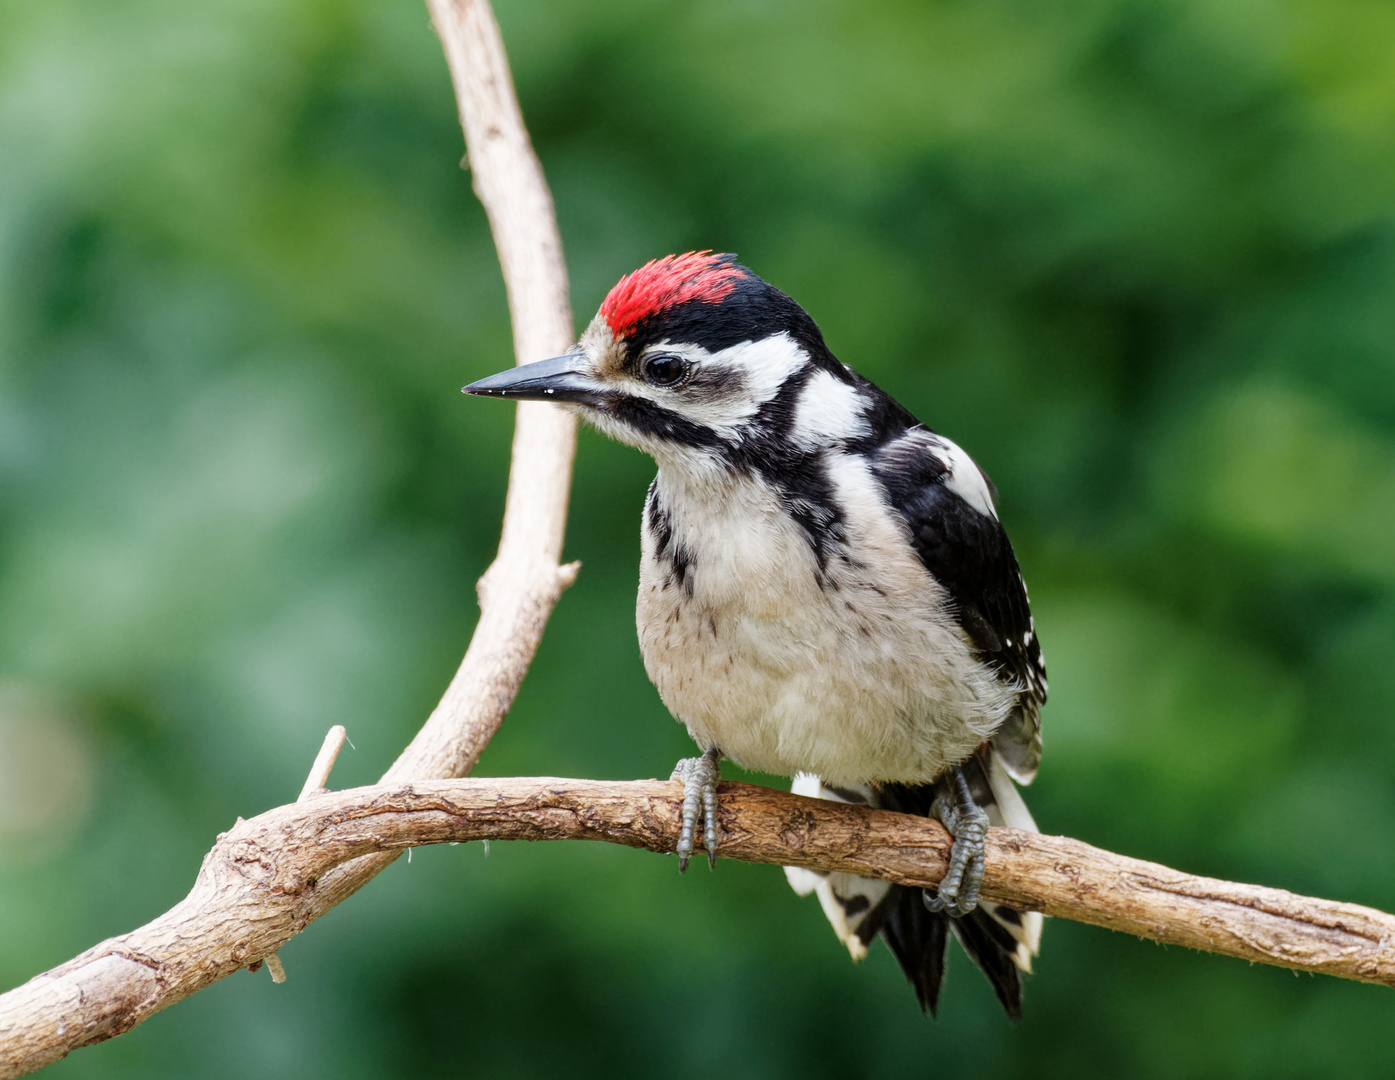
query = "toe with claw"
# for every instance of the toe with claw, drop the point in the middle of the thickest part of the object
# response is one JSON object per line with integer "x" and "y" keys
{"x": 700, "y": 776}
{"x": 968, "y": 824}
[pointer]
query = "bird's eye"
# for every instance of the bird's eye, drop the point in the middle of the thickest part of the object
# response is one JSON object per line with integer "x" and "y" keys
{"x": 665, "y": 369}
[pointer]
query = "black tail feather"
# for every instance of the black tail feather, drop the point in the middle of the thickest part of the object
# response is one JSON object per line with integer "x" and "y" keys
{"x": 920, "y": 932}
{"x": 999, "y": 939}
{"x": 919, "y": 939}
{"x": 991, "y": 948}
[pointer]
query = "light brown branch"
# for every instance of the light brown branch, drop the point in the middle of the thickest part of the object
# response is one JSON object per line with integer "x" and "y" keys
{"x": 115, "y": 988}
{"x": 519, "y": 590}
{"x": 268, "y": 878}
{"x": 260, "y": 885}
{"x": 324, "y": 762}
{"x": 522, "y": 586}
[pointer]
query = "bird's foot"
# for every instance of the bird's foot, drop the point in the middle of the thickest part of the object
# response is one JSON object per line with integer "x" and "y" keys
{"x": 968, "y": 824}
{"x": 700, "y": 776}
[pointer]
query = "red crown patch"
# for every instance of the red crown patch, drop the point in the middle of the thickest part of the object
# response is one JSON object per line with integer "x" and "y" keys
{"x": 664, "y": 283}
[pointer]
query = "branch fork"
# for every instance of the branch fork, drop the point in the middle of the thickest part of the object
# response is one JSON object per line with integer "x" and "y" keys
{"x": 268, "y": 878}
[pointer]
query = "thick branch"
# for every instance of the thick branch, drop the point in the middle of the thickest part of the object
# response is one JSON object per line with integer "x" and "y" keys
{"x": 261, "y": 884}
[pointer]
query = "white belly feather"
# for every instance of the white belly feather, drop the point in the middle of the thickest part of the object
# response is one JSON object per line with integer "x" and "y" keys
{"x": 866, "y": 677}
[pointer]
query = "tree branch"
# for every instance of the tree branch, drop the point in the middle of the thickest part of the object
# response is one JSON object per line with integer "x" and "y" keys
{"x": 261, "y": 884}
{"x": 117, "y": 989}
{"x": 268, "y": 878}
{"x": 523, "y": 584}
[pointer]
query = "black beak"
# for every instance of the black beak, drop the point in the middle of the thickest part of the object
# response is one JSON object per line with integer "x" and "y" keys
{"x": 563, "y": 378}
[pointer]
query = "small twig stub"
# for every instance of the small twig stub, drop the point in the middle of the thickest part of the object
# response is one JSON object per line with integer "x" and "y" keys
{"x": 324, "y": 762}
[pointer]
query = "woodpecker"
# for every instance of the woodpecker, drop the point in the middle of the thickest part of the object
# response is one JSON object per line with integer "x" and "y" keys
{"x": 825, "y": 592}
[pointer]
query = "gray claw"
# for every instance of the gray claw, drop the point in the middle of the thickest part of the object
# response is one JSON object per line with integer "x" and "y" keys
{"x": 700, "y": 776}
{"x": 968, "y": 824}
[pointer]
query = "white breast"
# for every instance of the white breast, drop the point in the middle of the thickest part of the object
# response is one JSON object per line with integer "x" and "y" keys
{"x": 858, "y": 674}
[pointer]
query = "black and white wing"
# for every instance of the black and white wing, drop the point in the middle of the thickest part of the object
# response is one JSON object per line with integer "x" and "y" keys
{"x": 946, "y": 502}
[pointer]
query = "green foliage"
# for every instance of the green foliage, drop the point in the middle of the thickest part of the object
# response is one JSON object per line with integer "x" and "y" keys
{"x": 1136, "y": 255}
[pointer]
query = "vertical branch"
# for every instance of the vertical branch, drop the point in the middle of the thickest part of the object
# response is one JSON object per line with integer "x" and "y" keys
{"x": 521, "y": 587}
{"x": 120, "y": 982}
{"x": 519, "y": 590}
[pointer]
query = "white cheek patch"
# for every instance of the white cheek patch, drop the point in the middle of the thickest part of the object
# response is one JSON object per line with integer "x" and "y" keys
{"x": 829, "y": 410}
{"x": 964, "y": 478}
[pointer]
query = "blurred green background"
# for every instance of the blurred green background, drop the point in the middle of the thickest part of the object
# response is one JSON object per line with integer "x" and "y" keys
{"x": 1138, "y": 256}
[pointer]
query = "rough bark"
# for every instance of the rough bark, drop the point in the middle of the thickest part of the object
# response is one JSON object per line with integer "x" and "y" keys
{"x": 262, "y": 883}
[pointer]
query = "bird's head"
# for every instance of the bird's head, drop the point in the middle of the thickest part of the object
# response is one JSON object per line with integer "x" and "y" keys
{"x": 693, "y": 357}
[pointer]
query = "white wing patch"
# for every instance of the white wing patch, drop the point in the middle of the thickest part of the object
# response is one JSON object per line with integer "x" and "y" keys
{"x": 964, "y": 478}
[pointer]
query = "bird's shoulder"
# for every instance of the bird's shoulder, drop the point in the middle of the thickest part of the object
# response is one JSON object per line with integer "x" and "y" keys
{"x": 947, "y": 505}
